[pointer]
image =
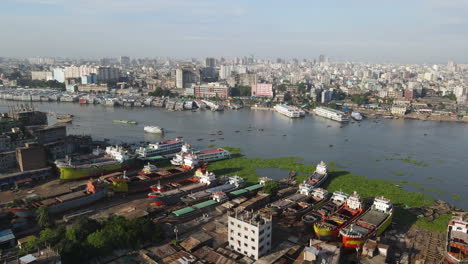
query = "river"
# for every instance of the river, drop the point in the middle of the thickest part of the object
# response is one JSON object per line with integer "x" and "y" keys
{"x": 374, "y": 149}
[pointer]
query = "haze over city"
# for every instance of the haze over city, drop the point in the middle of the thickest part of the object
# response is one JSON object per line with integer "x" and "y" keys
{"x": 416, "y": 31}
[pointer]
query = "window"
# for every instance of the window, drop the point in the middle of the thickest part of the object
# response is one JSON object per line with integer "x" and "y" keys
{"x": 245, "y": 244}
{"x": 268, "y": 227}
{"x": 246, "y": 229}
{"x": 245, "y": 237}
{"x": 268, "y": 235}
{"x": 268, "y": 243}
{"x": 232, "y": 238}
{"x": 253, "y": 248}
{"x": 261, "y": 248}
{"x": 238, "y": 249}
{"x": 238, "y": 234}
{"x": 261, "y": 232}
{"x": 245, "y": 252}
{"x": 232, "y": 231}
{"x": 252, "y": 239}
{"x": 261, "y": 240}
{"x": 238, "y": 226}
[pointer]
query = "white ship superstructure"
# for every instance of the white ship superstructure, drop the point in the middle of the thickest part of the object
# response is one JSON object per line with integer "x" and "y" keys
{"x": 161, "y": 148}
{"x": 289, "y": 111}
{"x": 332, "y": 114}
{"x": 153, "y": 129}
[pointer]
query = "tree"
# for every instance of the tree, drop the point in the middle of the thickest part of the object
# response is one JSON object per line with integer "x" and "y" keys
{"x": 32, "y": 244}
{"x": 42, "y": 218}
{"x": 271, "y": 187}
{"x": 82, "y": 228}
{"x": 50, "y": 236}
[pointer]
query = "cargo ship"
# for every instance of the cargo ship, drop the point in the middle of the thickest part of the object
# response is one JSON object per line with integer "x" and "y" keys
{"x": 315, "y": 198}
{"x": 94, "y": 191}
{"x": 370, "y": 224}
{"x": 95, "y": 164}
{"x": 319, "y": 176}
{"x": 335, "y": 203}
{"x": 231, "y": 183}
{"x": 171, "y": 193}
{"x": 302, "y": 194}
{"x": 201, "y": 156}
{"x": 160, "y": 148}
{"x": 329, "y": 227}
{"x": 457, "y": 239}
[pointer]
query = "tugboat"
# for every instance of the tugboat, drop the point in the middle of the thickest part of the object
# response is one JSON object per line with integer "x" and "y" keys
{"x": 319, "y": 176}
{"x": 371, "y": 224}
{"x": 329, "y": 227}
{"x": 335, "y": 203}
{"x": 457, "y": 239}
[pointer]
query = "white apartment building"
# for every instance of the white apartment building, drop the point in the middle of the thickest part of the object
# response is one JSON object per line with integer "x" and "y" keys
{"x": 249, "y": 234}
{"x": 42, "y": 75}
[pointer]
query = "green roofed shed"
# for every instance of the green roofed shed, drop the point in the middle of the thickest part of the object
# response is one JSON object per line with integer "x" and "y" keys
{"x": 238, "y": 192}
{"x": 183, "y": 211}
{"x": 254, "y": 187}
{"x": 205, "y": 204}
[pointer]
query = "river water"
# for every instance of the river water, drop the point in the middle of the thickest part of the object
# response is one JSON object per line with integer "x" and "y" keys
{"x": 369, "y": 148}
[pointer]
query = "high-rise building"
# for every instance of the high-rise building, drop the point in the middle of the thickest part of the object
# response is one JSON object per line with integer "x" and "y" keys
{"x": 262, "y": 89}
{"x": 210, "y": 90}
{"x": 41, "y": 60}
{"x": 451, "y": 66}
{"x": 42, "y": 75}
{"x": 124, "y": 60}
{"x": 210, "y": 62}
{"x": 59, "y": 75}
{"x": 186, "y": 76}
{"x": 249, "y": 234}
{"x": 326, "y": 96}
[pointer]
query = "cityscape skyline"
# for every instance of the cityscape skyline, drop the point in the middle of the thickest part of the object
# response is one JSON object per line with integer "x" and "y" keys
{"x": 398, "y": 32}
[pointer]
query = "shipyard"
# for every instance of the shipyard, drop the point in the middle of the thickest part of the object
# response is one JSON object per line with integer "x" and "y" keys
{"x": 202, "y": 211}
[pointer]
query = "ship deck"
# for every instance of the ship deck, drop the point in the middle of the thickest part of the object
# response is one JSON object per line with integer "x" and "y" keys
{"x": 296, "y": 197}
{"x": 373, "y": 217}
{"x": 185, "y": 188}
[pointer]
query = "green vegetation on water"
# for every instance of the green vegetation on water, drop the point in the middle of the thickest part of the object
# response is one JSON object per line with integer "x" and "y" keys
{"x": 438, "y": 225}
{"x": 408, "y": 159}
{"x": 338, "y": 180}
{"x": 212, "y": 146}
{"x": 398, "y": 173}
{"x": 457, "y": 197}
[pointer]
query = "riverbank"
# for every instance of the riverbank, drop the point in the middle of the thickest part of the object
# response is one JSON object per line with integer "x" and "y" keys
{"x": 407, "y": 204}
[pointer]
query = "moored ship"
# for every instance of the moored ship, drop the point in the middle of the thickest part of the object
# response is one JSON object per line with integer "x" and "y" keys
{"x": 94, "y": 192}
{"x": 95, "y": 164}
{"x": 315, "y": 198}
{"x": 456, "y": 247}
{"x": 289, "y": 111}
{"x": 232, "y": 183}
{"x": 329, "y": 227}
{"x": 201, "y": 156}
{"x": 356, "y": 116}
{"x": 161, "y": 148}
{"x": 332, "y": 114}
{"x": 319, "y": 176}
{"x": 370, "y": 224}
{"x": 335, "y": 203}
{"x": 172, "y": 192}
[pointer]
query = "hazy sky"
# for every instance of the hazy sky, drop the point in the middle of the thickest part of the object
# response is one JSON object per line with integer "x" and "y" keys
{"x": 365, "y": 30}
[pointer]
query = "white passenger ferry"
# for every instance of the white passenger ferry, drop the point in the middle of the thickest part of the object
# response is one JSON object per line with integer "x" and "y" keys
{"x": 160, "y": 148}
{"x": 332, "y": 114}
{"x": 289, "y": 111}
{"x": 202, "y": 156}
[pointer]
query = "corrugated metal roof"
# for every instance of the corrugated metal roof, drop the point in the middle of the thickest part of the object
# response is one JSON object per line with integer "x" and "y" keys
{"x": 239, "y": 192}
{"x": 6, "y": 235}
{"x": 205, "y": 204}
{"x": 254, "y": 187}
{"x": 183, "y": 211}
